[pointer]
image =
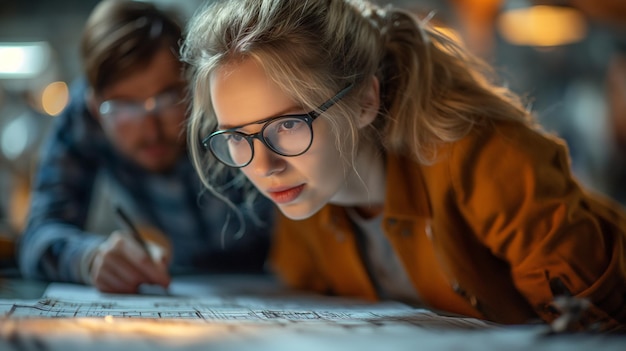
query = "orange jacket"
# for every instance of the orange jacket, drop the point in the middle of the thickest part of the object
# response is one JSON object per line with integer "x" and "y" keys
{"x": 494, "y": 229}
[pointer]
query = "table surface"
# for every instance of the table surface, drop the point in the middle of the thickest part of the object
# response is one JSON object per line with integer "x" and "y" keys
{"x": 244, "y": 315}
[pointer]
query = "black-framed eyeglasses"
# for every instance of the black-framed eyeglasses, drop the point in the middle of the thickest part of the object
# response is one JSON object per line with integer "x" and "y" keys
{"x": 288, "y": 135}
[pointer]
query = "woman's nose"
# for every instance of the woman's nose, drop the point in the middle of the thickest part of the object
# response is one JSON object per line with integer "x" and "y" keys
{"x": 266, "y": 162}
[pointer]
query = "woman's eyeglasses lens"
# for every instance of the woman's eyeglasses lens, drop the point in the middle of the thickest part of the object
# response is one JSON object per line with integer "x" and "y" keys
{"x": 287, "y": 136}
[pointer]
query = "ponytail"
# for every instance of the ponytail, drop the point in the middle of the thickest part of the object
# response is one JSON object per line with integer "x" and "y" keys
{"x": 433, "y": 90}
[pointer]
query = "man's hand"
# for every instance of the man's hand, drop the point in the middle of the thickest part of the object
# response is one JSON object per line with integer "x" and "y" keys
{"x": 120, "y": 265}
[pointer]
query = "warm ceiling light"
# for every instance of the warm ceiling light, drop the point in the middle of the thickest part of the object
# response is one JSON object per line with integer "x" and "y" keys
{"x": 54, "y": 98}
{"x": 542, "y": 26}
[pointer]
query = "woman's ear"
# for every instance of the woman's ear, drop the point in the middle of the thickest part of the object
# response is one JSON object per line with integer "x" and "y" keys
{"x": 370, "y": 103}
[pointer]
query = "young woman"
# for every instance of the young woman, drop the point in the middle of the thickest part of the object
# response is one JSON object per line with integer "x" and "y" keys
{"x": 401, "y": 170}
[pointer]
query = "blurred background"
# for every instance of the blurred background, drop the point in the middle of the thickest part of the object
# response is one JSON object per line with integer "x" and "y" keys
{"x": 568, "y": 58}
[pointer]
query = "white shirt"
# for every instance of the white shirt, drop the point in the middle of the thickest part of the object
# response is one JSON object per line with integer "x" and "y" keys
{"x": 389, "y": 276}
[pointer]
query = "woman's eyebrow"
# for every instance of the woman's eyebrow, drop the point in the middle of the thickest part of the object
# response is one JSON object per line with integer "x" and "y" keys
{"x": 261, "y": 121}
{"x": 286, "y": 112}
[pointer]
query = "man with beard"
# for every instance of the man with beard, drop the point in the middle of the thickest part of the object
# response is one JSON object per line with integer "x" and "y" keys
{"x": 126, "y": 124}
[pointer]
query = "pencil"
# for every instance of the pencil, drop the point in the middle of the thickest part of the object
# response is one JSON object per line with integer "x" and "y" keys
{"x": 133, "y": 230}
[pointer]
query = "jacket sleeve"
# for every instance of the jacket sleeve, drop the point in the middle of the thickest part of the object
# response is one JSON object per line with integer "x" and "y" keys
{"x": 515, "y": 190}
{"x": 54, "y": 243}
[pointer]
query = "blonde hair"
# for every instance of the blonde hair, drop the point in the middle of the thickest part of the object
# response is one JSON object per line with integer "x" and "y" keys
{"x": 432, "y": 90}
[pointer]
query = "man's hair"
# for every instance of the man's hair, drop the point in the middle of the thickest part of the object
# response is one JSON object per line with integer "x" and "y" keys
{"x": 121, "y": 36}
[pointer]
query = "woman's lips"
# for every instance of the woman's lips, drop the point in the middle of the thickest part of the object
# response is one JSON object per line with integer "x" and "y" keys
{"x": 282, "y": 196}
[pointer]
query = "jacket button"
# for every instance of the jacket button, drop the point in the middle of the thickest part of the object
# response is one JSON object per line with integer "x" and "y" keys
{"x": 473, "y": 301}
{"x": 429, "y": 231}
{"x": 457, "y": 288}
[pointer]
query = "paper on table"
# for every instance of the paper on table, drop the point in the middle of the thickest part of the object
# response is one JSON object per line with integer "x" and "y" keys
{"x": 234, "y": 301}
{"x": 253, "y": 314}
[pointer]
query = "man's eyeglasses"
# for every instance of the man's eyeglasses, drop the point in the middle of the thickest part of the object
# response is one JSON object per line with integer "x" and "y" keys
{"x": 289, "y": 135}
{"x": 165, "y": 105}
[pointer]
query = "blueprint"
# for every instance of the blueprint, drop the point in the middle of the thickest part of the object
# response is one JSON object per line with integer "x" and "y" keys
{"x": 215, "y": 300}
{"x": 252, "y": 314}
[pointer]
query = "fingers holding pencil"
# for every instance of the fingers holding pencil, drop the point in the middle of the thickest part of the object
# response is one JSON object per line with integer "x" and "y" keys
{"x": 121, "y": 264}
